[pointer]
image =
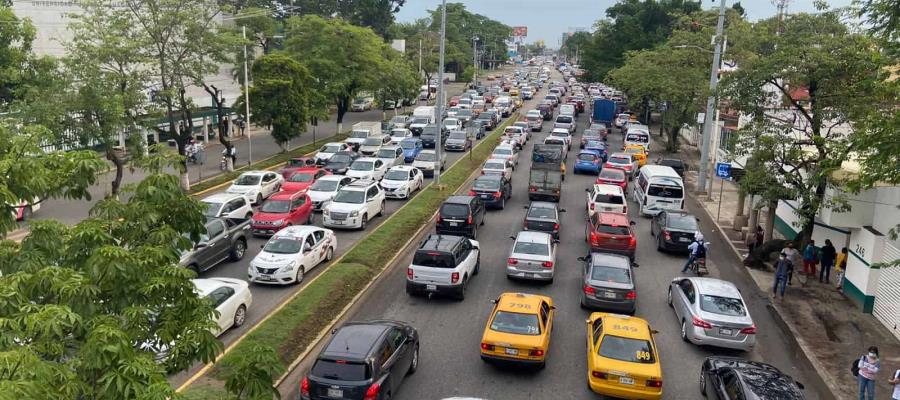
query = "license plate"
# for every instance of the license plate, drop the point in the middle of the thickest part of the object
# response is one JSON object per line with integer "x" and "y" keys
{"x": 336, "y": 393}
{"x": 485, "y": 196}
{"x": 626, "y": 381}
{"x": 727, "y": 332}
{"x": 609, "y": 295}
{"x": 512, "y": 352}
{"x": 431, "y": 287}
{"x": 338, "y": 222}
{"x": 454, "y": 224}
{"x": 684, "y": 239}
{"x": 266, "y": 277}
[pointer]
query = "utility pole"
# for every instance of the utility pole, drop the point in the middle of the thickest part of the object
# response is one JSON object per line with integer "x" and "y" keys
{"x": 709, "y": 118}
{"x": 474, "y": 61}
{"x": 421, "y": 74}
{"x": 439, "y": 110}
{"x": 247, "y": 99}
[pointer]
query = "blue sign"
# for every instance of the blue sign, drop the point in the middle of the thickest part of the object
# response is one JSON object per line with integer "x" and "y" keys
{"x": 723, "y": 170}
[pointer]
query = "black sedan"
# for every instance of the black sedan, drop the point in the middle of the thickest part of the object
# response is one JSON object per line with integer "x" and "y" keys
{"x": 493, "y": 190}
{"x": 340, "y": 162}
{"x": 363, "y": 360}
{"x": 542, "y": 216}
{"x": 675, "y": 163}
{"x": 732, "y": 378}
{"x": 674, "y": 230}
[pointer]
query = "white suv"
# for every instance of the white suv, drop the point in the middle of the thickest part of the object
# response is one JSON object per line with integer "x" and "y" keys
{"x": 354, "y": 205}
{"x": 605, "y": 198}
{"x": 443, "y": 264}
{"x": 227, "y": 205}
{"x": 323, "y": 191}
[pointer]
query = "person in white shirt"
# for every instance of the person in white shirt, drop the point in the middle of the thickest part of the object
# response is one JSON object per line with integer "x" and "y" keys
{"x": 895, "y": 380}
{"x": 869, "y": 364}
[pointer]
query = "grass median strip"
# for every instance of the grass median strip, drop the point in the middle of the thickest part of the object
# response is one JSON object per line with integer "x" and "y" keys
{"x": 293, "y": 328}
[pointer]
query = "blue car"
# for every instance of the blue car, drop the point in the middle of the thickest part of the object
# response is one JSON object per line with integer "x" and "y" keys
{"x": 589, "y": 161}
{"x": 411, "y": 148}
{"x": 599, "y": 147}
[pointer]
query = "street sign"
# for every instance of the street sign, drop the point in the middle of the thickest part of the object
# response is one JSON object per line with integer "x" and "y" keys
{"x": 723, "y": 170}
{"x": 701, "y": 117}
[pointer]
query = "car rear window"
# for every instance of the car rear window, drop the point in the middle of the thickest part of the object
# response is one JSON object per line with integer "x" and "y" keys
{"x": 619, "y": 160}
{"x": 671, "y": 192}
{"x": 454, "y": 210}
{"x": 340, "y": 370}
{"x": 608, "y": 198}
{"x": 537, "y": 249}
{"x": 627, "y": 349}
{"x": 516, "y": 323}
{"x": 722, "y": 305}
{"x": 433, "y": 259}
{"x": 541, "y": 212}
{"x": 586, "y": 157}
{"x": 564, "y": 120}
{"x": 614, "y": 174}
{"x": 612, "y": 230}
{"x": 683, "y": 222}
{"x": 610, "y": 274}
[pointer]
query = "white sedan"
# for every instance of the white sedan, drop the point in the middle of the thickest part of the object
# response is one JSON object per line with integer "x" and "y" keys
{"x": 328, "y": 150}
{"x": 391, "y": 156}
{"x": 398, "y": 134}
{"x": 506, "y": 152}
{"x": 291, "y": 253}
{"x": 401, "y": 181}
{"x": 230, "y": 297}
{"x": 256, "y": 185}
{"x": 497, "y": 166}
{"x": 367, "y": 168}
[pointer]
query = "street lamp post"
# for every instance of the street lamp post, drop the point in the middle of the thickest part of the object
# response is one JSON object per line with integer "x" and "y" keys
{"x": 474, "y": 61}
{"x": 247, "y": 99}
{"x": 439, "y": 110}
{"x": 709, "y": 118}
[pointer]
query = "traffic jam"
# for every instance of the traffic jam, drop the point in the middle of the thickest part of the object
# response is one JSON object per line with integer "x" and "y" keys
{"x": 575, "y": 144}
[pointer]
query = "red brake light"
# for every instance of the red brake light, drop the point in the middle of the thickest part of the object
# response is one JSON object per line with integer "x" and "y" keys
{"x": 439, "y": 219}
{"x": 631, "y": 295}
{"x": 304, "y": 387}
{"x": 595, "y": 239}
{"x": 749, "y": 331}
{"x": 555, "y": 227}
{"x": 372, "y": 392}
{"x": 588, "y": 289}
{"x": 547, "y": 264}
{"x": 632, "y": 243}
{"x": 512, "y": 261}
{"x": 497, "y": 194}
{"x": 667, "y": 235}
{"x": 409, "y": 273}
{"x": 532, "y": 188}
{"x": 700, "y": 323}
{"x": 598, "y": 374}
{"x": 592, "y": 206}
{"x": 536, "y": 353}
{"x": 657, "y": 383}
{"x": 454, "y": 277}
{"x": 472, "y": 192}
{"x": 469, "y": 220}
{"x": 487, "y": 347}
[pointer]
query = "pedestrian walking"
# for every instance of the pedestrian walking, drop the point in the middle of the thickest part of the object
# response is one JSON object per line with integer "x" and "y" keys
{"x": 840, "y": 267}
{"x": 791, "y": 254}
{"x": 783, "y": 269}
{"x": 225, "y": 124}
{"x": 810, "y": 255}
{"x": 895, "y": 380}
{"x": 828, "y": 257}
{"x": 868, "y": 369}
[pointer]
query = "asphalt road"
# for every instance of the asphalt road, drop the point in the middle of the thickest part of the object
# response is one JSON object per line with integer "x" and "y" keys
{"x": 451, "y": 331}
{"x": 267, "y": 297}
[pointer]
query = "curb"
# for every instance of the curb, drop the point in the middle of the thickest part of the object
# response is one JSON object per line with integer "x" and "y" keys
{"x": 802, "y": 349}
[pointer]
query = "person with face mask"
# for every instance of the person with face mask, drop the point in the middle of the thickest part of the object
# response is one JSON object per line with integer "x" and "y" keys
{"x": 791, "y": 254}
{"x": 783, "y": 268}
{"x": 869, "y": 364}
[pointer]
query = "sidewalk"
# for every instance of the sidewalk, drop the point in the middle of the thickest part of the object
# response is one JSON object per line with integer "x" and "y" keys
{"x": 827, "y": 327}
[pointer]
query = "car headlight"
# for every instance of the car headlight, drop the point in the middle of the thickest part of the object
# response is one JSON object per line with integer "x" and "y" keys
{"x": 325, "y": 212}
{"x": 354, "y": 213}
{"x": 278, "y": 222}
{"x": 289, "y": 267}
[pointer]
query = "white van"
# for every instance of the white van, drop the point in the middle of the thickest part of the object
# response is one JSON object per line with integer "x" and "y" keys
{"x": 424, "y": 111}
{"x": 639, "y": 135}
{"x": 658, "y": 188}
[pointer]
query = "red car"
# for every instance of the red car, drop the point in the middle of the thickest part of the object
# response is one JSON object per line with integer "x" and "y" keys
{"x": 613, "y": 176}
{"x": 301, "y": 179}
{"x": 454, "y": 101}
{"x": 281, "y": 210}
{"x": 611, "y": 232}
{"x": 297, "y": 163}
{"x": 488, "y": 98}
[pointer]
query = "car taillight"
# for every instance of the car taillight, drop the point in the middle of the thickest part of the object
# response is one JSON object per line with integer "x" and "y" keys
{"x": 532, "y": 188}
{"x": 700, "y": 323}
{"x": 598, "y": 374}
{"x": 487, "y": 347}
{"x": 632, "y": 243}
{"x": 472, "y": 193}
{"x": 372, "y": 392}
{"x": 667, "y": 235}
{"x": 497, "y": 194}
{"x": 454, "y": 277}
{"x": 555, "y": 227}
{"x": 625, "y": 209}
{"x": 512, "y": 261}
{"x": 439, "y": 219}
{"x": 631, "y": 295}
{"x": 409, "y": 273}
{"x": 482, "y": 172}
{"x": 749, "y": 331}
{"x": 547, "y": 264}
{"x": 656, "y": 383}
{"x": 595, "y": 239}
{"x": 588, "y": 289}
{"x": 304, "y": 387}
{"x": 536, "y": 353}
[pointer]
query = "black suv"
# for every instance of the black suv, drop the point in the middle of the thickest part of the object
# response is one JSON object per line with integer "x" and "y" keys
{"x": 460, "y": 215}
{"x": 363, "y": 360}
{"x": 429, "y": 136}
{"x": 732, "y": 378}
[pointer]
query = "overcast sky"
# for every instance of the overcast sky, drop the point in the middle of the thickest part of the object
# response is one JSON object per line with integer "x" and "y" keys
{"x": 548, "y": 19}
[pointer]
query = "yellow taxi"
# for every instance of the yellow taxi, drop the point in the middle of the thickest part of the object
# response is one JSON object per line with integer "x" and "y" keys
{"x": 518, "y": 330}
{"x": 514, "y": 91}
{"x": 622, "y": 358}
{"x": 639, "y": 152}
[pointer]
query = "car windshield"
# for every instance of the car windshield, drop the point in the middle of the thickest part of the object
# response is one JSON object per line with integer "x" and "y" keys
{"x": 359, "y": 101}
{"x": 494, "y": 165}
{"x": 408, "y": 144}
{"x": 683, "y": 222}
{"x": 359, "y": 134}
{"x": 722, "y": 305}
{"x": 612, "y": 174}
{"x": 486, "y": 184}
{"x": 331, "y": 148}
{"x": 248, "y": 180}
{"x": 541, "y": 212}
{"x": 619, "y": 160}
{"x": 458, "y": 135}
{"x": 613, "y": 230}
{"x": 276, "y": 206}
{"x": 503, "y": 152}
{"x": 387, "y": 153}
{"x": 212, "y": 209}
{"x": 396, "y": 175}
{"x": 339, "y": 370}
{"x": 609, "y": 274}
{"x": 372, "y": 141}
{"x": 627, "y": 349}
{"x": 362, "y": 166}
{"x": 399, "y": 133}
{"x": 324, "y": 186}
{"x": 350, "y": 196}
{"x": 587, "y": 157}
{"x": 426, "y": 157}
{"x": 341, "y": 158}
{"x": 516, "y": 323}
{"x": 302, "y": 177}
{"x": 594, "y": 144}
{"x": 564, "y": 119}
{"x": 609, "y": 198}
{"x": 537, "y": 249}
{"x": 283, "y": 246}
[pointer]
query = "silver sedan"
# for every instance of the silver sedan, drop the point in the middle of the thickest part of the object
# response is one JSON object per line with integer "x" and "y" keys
{"x": 712, "y": 312}
{"x": 533, "y": 256}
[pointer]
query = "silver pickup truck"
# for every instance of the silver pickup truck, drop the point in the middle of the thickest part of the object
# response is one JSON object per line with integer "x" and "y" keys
{"x": 225, "y": 238}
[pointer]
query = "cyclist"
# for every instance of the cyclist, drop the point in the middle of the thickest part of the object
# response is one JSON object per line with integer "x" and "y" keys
{"x": 697, "y": 250}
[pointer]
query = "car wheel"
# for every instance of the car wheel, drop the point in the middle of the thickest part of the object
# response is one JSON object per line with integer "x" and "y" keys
{"x": 669, "y": 297}
{"x": 329, "y": 255}
{"x": 462, "y": 289}
{"x": 502, "y": 203}
{"x": 684, "y": 331}
{"x": 477, "y": 265}
{"x": 240, "y": 315}
{"x": 659, "y": 244}
{"x": 414, "y": 364}
{"x": 300, "y": 275}
{"x": 195, "y": 268}
{"x": 702, "y": 382}
{"x": 238, "y": 250}
{"x": 259, "y": 199}
{"x": 364, "y": 222}
{"x": 309, "y": 220}
{"x": 474, "y": 233}
{"x": 381, "y": 210}
{"x": 582, "y": 303}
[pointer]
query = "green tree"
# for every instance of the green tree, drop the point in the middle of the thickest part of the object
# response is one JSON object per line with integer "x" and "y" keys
{"x": 804, "y": 91}
{"x": 283, "y": 96}
{"x": 398, "y": 80}
{"x": 883, "y": 18}
{"x": 576, "y": 44}
{"x": 19, "y": 67}
{"x": 250, "y": 377}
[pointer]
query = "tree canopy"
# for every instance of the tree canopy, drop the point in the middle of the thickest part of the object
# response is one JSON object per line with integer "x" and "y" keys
{"x": 283, "y": 96}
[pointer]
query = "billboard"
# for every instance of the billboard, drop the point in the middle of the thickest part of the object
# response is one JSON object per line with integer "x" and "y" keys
{"x": 519, "y": 31}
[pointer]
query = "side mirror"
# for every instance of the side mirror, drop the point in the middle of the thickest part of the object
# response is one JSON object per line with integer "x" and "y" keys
{"x": 493, "y": 301}
{"x": 800, "y": 385}
{"x": 587, "y": 189}
{"x": 562, "y": 210}
{"x": 632, "y": 223}
{"x": 201, "y": 245}
{"x": 635, "y": 265}
{"x": 654, "y": 331}
{"x": 525, "y": 207}
{"x": 262, "y": 246}
{"x": 584, "y": 258}
{"x": 512, "y": 237}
